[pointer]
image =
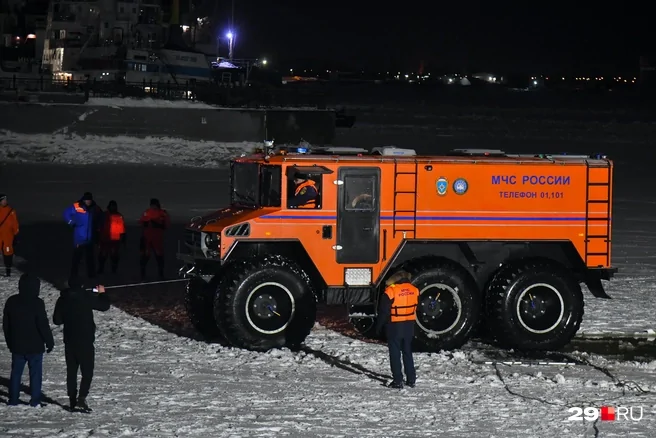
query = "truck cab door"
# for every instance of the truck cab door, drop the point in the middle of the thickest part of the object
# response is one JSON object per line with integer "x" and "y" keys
{"x": 358, "y": 215}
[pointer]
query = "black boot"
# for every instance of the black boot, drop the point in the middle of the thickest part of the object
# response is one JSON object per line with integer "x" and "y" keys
{"x": 8, "y": 273}
{"x": 72, "y": 403}
{"x": 82, "y": 403}
{"x": 396, "y": 385}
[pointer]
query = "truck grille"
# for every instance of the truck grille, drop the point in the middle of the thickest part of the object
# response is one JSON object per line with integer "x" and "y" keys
{"x": 192, "y": 238}
{"x": 239, "y": 230}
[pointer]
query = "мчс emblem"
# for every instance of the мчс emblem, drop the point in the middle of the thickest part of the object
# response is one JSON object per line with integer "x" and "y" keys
{"x": 442, "y": 185}
{"x": 460, "y": 186}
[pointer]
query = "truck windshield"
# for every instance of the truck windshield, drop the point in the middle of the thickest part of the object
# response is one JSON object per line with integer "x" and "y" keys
{"x": 255, "y": 186}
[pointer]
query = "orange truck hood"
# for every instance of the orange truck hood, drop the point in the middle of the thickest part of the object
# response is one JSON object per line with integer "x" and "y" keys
{"x": 215, "y": 222}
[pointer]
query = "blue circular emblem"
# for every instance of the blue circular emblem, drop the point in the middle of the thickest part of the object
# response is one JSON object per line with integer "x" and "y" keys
{"x": 460, "y": 186}
{"x": 442, "y": 185}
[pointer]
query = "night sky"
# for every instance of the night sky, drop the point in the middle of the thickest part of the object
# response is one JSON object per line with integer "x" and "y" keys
{"x": 532, "y": 37}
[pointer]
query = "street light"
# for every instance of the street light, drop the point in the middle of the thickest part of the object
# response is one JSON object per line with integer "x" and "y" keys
{"x": 231, "y": 39}
{"x": 264, "y": 62}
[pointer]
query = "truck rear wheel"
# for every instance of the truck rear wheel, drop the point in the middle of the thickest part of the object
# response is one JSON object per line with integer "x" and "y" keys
{"x": 199, "y": 299}
{"x": 265, "y": 303}
{"x": 534, "y": 306}
{"x": 449, "y": 305}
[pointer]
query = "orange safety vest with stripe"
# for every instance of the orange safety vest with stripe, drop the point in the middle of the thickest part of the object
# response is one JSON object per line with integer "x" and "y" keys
{"x": 404, "y": 298}
{"x": 311, "y": 203}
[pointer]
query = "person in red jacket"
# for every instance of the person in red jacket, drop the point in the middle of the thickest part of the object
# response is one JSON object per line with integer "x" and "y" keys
{"x": 154, "y": 221}
{"x": 8, "y": 232}
{"x": 112, "y": 234}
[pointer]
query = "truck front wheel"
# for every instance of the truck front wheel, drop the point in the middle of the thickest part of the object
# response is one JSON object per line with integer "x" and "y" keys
{"x": 265, "y": 303}
{"x": 534, "y": 306}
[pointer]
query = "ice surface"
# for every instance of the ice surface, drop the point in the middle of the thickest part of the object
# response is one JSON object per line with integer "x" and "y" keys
{"x": 91, "y": 149}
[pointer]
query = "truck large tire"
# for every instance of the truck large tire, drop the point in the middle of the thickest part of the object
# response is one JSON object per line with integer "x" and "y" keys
{"x": 449, "y": 304}
{"x": 265, "y": 303}
{"x": 534, "y": 305}
{"x": 199, "y": 300}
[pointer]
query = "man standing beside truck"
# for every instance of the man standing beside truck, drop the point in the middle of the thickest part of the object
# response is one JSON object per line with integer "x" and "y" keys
{"x": 397, "y": 311}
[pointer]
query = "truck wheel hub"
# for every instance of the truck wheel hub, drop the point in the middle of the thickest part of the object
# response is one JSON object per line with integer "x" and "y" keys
{"x": 270, "y": 307}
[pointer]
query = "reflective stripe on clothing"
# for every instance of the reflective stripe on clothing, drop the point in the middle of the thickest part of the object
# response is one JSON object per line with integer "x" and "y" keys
{"x": 310, "y": 203}
{"x": 404, "y": 298}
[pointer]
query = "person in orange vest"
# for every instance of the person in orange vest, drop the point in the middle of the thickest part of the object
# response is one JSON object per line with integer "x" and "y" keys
{"x": 8, "y": 233}
{"x": 154, "y": 221}
{"x": 305, "y": 195}
{"x": 397, "y": 310}
{"x": 112, "y": 235}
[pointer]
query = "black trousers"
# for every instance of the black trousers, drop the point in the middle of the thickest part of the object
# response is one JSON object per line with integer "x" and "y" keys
{"x": 79, "y": 358}
{"x": 110, "y": 249}
{"x": 399, "y": 343}
{"x": 9, "y": 262}
{"x": 86, "y": 252}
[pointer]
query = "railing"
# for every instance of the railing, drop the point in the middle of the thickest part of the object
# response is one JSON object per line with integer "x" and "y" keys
{"x": 212, "y": 93}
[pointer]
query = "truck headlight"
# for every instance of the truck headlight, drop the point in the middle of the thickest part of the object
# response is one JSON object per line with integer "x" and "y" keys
{"x": 211, "y": 240}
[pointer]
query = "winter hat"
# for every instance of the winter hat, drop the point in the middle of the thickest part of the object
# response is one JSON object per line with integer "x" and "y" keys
{"x": 87, "y": 196}
{"x": 155, "y": 202}
{"x": 2, "y": 196}
{"x": 29, "y": 284}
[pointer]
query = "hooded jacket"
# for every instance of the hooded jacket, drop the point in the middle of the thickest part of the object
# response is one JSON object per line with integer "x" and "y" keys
{"x": 85, "y": 220}
{"x": 74, "y": 309}
{"x": 25, "y": 321}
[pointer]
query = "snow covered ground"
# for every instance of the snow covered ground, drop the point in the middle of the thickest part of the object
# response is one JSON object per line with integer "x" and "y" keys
{"x": 149, "y": 382}
{"x": 72, "y": 149}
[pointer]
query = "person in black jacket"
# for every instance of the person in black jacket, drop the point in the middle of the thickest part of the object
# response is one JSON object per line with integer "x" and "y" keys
{"x": 26, "y": 329}
{"x": 74, "y": 309}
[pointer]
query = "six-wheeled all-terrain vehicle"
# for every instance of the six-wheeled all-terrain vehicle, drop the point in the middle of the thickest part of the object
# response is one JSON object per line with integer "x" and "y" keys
{"x": 490, "y": 238}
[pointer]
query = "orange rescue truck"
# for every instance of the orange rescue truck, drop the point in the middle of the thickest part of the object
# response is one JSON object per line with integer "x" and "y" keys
{"x": 492, "y": 238}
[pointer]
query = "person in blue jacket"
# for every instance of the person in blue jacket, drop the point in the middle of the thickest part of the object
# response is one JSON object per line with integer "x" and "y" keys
{"x": 85, "y": 218}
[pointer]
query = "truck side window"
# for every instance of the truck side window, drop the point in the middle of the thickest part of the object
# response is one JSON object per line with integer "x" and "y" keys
{"x": 304, "y": 191}
{"x": 359, "y": 193}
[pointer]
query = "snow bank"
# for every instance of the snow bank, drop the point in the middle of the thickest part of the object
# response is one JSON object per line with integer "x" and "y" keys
{"x": 71, "y": 149}
{"x": 149, "y": 382}
{"x": 147, "y": 102}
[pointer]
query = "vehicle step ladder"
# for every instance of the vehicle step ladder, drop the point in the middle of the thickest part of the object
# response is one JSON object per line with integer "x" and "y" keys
{"x": 405, "y": 212}
{"x": 590, "y": 218}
